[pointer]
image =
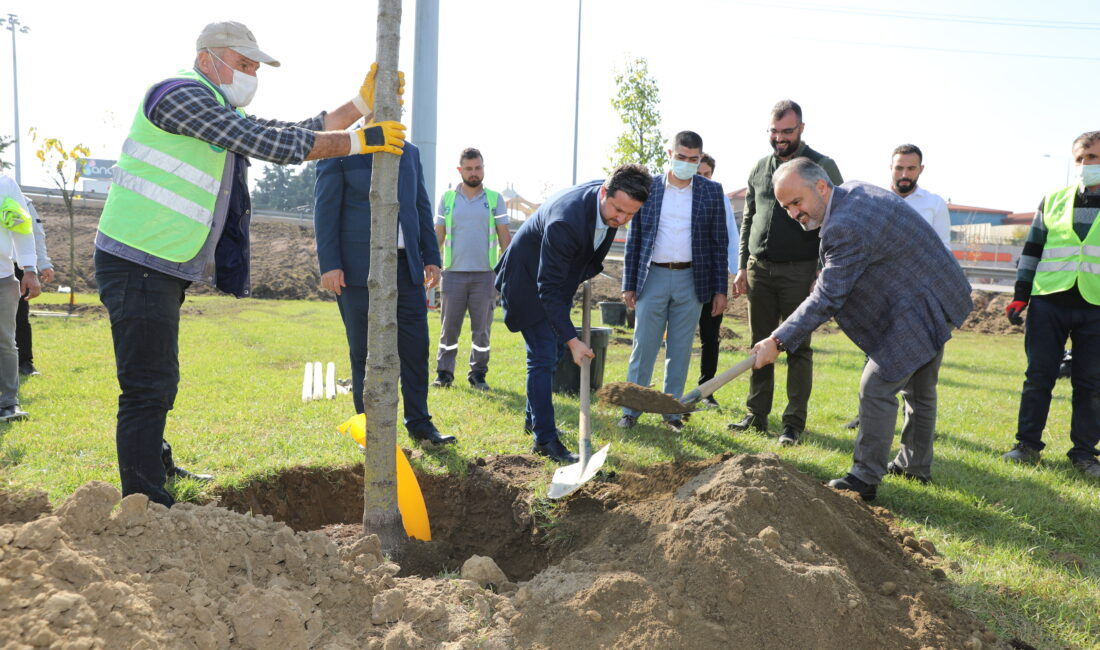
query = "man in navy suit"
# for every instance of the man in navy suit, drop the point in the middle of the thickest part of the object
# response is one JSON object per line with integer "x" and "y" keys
{"x": 561, "y": 245}
{"x": 342, "y": 222}
{"x": 675, "y": 262}
{"x": 896, "y": 291}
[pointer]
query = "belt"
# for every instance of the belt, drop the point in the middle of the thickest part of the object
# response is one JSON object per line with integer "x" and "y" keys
{"x": 675, "y": 266}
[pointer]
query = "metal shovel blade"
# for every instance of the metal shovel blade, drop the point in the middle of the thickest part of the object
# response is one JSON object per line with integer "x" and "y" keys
{"x": 569, "y": 478}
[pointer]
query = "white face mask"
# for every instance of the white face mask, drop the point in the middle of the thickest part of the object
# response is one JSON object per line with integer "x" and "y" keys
{"x": 242, "y": 90}
{"x": 1088, "y": 175}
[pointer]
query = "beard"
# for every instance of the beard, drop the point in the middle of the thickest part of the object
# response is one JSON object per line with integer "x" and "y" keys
{"x": 785, "y": 148}
{"x": 905, "y": 185}
{"x": 472, "y": 181}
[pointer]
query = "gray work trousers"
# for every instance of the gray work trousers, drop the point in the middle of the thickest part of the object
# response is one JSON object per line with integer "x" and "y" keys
{"x": 9, "y": 354}
{"x": 473, "y": 292}
{"x": 878, "y": 417}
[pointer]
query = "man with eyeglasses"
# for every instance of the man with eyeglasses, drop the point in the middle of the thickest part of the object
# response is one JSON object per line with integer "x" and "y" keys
{"x": 777, "y": 267}
{"x": 675, "y": 261}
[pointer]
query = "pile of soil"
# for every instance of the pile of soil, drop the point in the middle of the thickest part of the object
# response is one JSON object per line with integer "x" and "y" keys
{"x": 736, "y": 551}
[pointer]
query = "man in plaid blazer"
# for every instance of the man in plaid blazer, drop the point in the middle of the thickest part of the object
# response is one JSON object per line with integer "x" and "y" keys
{"x": 676, "y": 254}
{"x": 896, "y": 291}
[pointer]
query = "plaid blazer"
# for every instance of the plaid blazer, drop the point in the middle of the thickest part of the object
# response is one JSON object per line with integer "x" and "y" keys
{"x": 892, "y": 286}
{"x": 709, "y": 239}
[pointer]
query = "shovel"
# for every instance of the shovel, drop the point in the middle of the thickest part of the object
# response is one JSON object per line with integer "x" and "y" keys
{"x": 569, "y": 478}
{"x": 623, "y": 393}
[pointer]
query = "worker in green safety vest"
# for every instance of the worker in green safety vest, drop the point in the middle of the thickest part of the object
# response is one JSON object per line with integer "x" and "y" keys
{"x": 178, "y": 212}
{"x": 472, "y": 228}
{"x": 16, "y": 245}
{"x": 1058, "y": 277}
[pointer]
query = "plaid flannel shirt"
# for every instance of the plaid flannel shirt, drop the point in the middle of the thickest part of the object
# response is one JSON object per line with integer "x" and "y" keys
{"x": 190, "y": 109}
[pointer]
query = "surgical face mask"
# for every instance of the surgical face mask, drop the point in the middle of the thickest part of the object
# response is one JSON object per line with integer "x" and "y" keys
{"x": 684, "y": 170}
{"x": 242, "y": 90}
{"x": 1088, "y": 175}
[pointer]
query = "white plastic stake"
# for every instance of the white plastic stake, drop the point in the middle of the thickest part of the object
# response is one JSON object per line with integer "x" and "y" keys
{"x": 307, "y": 383}
{"x": 330, "y": 381}
{"x": 318, "y": 381}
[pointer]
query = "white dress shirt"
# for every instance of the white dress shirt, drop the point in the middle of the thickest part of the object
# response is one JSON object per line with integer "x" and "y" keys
{"x": 934, "y": 210}
{"x": 673, "y": 241}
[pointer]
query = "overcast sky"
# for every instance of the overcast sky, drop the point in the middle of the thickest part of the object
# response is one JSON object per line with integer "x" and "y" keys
{"x": 993, "y": 91}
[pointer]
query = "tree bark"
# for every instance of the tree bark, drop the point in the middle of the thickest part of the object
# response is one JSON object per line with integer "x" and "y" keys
{"x": 381, "y": 515}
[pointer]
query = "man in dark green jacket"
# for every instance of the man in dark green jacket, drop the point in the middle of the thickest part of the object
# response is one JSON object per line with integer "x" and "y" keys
{"x": 776, "y": 269}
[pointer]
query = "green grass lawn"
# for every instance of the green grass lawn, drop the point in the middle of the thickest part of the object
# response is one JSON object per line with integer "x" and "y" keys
{"x": 1027, "y": 539}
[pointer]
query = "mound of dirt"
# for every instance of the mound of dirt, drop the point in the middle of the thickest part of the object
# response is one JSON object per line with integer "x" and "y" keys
{"x": 736, "y": 551}
{"x": 141, "y": 575}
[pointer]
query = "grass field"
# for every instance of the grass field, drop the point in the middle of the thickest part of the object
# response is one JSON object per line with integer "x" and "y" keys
{"x": 1026, "y": 538}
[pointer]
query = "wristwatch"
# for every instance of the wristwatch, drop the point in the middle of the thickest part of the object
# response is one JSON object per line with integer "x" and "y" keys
{"x": 778, "y": 344}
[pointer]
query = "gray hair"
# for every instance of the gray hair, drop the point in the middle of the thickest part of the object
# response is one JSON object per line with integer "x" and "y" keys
{"x": 809, "y": 171}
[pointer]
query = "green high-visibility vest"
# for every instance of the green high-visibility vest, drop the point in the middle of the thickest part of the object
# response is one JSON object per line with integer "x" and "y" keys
{"x": 1066, "y": 259}
{"x": 448, "y": 213}
{"x": 14, "y": 217}
{"x": 165, "y": 188}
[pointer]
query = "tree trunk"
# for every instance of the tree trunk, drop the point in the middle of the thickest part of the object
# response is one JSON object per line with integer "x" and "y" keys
{"x": 380, "y": 512}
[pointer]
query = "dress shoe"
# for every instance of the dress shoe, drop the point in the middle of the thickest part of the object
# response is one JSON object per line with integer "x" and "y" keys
{"x": 790, "y": 436}
{"x": 897, "y": 470}
{"x": 27, "y": 369}
{"x": 676, "y": 425}
{"x": 433, "y": 436}
{"x": 179, "y": 472}
{"x": 1088, "y": 467}
{"x": 556, "y": 452}
{"x": 853, "y": 423}
{"x": 443, "y": 380}
{"x": 853, "y": 484}
{"x": 478, "y": 382}
{"x": 709, "y": 402}
{"x": 12, "y": 413}
{"x": 1021, "y": 453}
{"x": 628, "y": 421}
{"x": 750, "y": 420}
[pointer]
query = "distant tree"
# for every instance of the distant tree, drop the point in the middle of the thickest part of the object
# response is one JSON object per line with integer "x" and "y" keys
{"x": 285, "y": 188}
{"x": 64, "y": 167}
{"x": 636, "y": 101}
{"x": 5, "y": 142}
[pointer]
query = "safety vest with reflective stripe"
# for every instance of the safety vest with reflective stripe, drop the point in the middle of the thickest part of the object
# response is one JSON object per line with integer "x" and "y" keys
{"x": 448, "y": 213}
{"x": 14, "y": 217}
{"x": 165, "y": 188}
{"x": 1066, "y": 259}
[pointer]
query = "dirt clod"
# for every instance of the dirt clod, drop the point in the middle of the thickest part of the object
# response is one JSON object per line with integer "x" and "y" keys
{"x": 624, "y": 393}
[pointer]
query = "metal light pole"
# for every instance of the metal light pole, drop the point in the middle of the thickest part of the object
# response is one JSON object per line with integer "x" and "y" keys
{"x": 13, "y": 25}
{"x": 577, "y": 91}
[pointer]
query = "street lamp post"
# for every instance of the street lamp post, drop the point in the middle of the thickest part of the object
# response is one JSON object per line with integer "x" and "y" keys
{"x": 13, "y": 25}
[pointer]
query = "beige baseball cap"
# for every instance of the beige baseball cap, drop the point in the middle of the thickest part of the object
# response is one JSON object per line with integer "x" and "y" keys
{"x": 236, "y": 37}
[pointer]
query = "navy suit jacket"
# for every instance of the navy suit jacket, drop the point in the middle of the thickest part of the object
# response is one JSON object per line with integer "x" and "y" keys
{"x": 551, "y": 254}
{"x": 709, "y": 239}
{"x": 892, "y": 286}
{"x": 341, "y": 217}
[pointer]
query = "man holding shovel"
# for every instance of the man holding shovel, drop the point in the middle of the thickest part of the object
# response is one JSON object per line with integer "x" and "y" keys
{"x": 896, "y": 291}
{"x": 560, "y": 246}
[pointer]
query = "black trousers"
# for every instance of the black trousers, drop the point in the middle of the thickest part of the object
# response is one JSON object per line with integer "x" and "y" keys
{"x": 23, "y": 339}
{"x": 709, "y": 326}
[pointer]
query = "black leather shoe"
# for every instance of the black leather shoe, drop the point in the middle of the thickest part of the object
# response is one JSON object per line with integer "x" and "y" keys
{"x": 556, "y": 452}
{"x": 852, "y": 484}
{"x": 27, "y": 369}
{"x": 893, "y": 468}
{"x": 478, "y": 382}
{"x": 443, "y": 380}
{"x": 750, "y": 420}
{"x": 179, "y": 472}
{"x": 790, "y": 436}
{"x": 433, "y": 436}
{"x": 853, "y": 423}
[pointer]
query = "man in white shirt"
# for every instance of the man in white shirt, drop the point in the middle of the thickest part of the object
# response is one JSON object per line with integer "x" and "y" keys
{"x": 16, "y": 245}
{"x": 675, "y": 261}
{"x": 905, "y": 168}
